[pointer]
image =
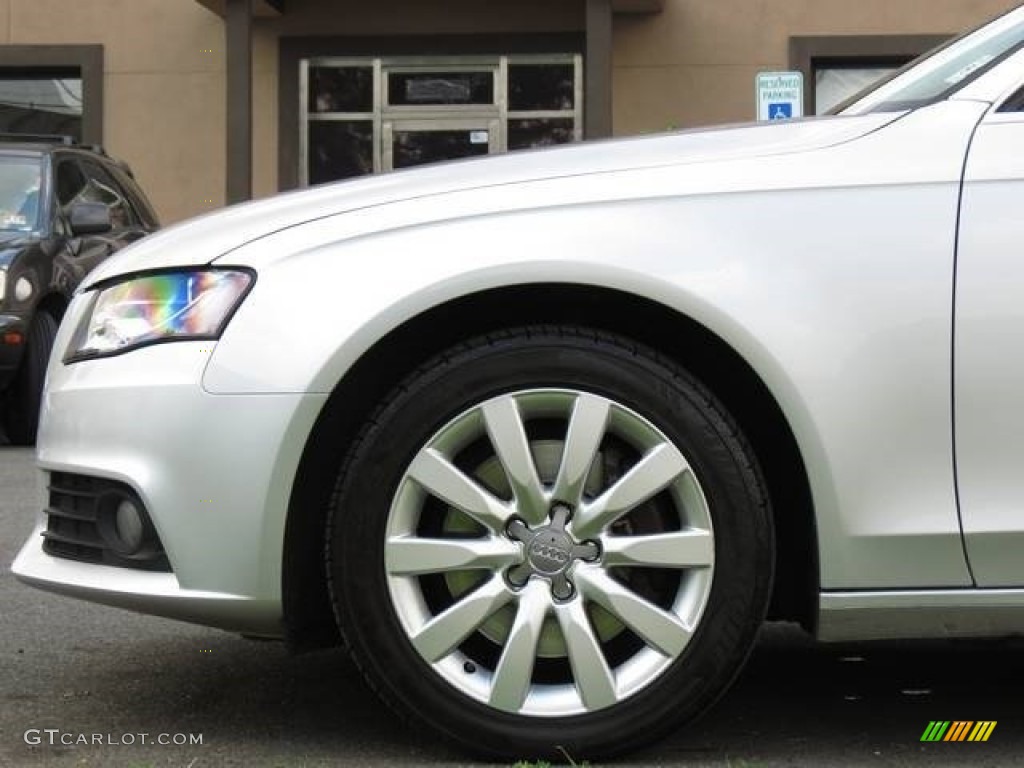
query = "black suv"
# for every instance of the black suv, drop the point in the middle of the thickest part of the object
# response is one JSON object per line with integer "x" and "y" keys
{"x": 64, "y": 208}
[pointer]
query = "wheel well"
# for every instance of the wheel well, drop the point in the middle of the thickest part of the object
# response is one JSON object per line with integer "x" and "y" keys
{"x": 307, "y": 608}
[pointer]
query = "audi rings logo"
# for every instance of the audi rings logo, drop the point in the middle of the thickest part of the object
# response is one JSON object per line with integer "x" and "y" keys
{"x": 549, "y": 554}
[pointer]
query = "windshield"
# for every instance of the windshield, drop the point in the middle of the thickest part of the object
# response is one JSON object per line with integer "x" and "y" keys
{"x": 938, "y": 74}
{"x": 19, "y": 194}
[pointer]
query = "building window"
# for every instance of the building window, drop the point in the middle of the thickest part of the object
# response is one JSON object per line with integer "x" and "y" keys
{"x": 52, "y": 90}
{"x": 363, "y": 115}
{"x": 837, "y": 67}
{"x": 37, "y": 102}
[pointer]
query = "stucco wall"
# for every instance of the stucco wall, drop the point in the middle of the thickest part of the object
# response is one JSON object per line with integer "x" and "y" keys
{"x": 163, "y": 106}
{"x": 695, "y": 63}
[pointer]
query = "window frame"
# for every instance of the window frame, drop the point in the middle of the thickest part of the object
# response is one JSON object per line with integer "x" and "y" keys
{"x": 292, "y": 50}
{"x": 87, "y": 59}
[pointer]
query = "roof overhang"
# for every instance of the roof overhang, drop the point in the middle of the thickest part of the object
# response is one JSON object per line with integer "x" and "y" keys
{"x": 265, "y": 8}
{"x": 260, "y": 8}
{"x": 638, "y": 6}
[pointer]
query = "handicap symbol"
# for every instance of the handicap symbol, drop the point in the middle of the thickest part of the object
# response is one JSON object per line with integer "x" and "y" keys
{"x": 780, "y": 111}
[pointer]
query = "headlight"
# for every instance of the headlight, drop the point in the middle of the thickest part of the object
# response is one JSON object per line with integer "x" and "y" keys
{"x": 3, "y": 282}
{"x": 167, "y": 306}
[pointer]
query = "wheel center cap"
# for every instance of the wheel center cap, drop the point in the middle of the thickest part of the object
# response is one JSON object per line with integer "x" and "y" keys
{"x": 550, "y": 552}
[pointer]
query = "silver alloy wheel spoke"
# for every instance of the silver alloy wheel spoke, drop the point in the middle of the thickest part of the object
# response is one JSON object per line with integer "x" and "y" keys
{"x": 512, "y": 676}
{"x": 443, "y": 634}
{"x": 594, "y": 680}
{"x": 410, "y": 555}
{"x": 652, "y": 474}
{"x": 587, "y": 426}
{"x": 678, "y": 549}
{"x": 660, "y": 629}
{"x": 450, "y": 484}
{"x": 508, "y": 437}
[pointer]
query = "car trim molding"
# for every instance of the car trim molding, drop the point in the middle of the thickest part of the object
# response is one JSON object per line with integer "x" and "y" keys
{"x": 932, "y": 613}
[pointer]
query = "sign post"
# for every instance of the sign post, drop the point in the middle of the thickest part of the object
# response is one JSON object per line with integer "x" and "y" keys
{"x": 780, "y": 95}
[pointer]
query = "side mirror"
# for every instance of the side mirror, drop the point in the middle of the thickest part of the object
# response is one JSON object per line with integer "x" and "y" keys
{"x": 90, "y": 219}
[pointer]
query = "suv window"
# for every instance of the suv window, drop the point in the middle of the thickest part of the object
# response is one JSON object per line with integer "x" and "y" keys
{"x": 20, "y": 178}
{"x": 102, "y": 188}
{"x": 70, "y": 182}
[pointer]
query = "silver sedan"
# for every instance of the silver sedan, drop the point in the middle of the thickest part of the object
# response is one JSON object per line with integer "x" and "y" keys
{"x": 545, "y": 437}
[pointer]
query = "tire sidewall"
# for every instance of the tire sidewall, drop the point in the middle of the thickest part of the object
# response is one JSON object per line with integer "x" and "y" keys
{"x": 24, "y": 401}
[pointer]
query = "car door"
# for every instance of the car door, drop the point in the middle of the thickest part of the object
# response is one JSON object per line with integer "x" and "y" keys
{"x": 989, "y": 349}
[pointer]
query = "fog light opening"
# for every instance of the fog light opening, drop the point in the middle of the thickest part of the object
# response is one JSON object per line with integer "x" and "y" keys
{"x": 126, "y": 528}
{"x": 128, "y": 525}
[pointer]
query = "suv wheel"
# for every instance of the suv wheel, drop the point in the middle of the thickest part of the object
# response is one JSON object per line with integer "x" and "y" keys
{"x": 21, "y": 415}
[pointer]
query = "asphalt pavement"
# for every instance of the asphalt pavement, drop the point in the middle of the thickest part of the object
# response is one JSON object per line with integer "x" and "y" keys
{"x": 71, "y": 671}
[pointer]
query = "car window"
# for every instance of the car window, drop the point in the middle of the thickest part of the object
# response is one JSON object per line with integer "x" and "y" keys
{"x": 1015, "y": 103}
{"x": 100, "y": 187}
{"x": 19, "y": 193}
{"x": 942, "y": 72}
{"x": 70, "y": 181}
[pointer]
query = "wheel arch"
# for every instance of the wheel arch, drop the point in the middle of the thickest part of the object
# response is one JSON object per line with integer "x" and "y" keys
{"x": 53, "y": 303}
{"x": 308, "y": 615}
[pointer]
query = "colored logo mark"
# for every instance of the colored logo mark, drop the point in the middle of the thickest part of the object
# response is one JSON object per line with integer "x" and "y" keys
{"x": 958, "y": 730}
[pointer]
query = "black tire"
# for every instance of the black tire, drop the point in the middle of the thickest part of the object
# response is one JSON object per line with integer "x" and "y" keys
{"x": 642, "y": 387}
{"x": 21, "y": 414}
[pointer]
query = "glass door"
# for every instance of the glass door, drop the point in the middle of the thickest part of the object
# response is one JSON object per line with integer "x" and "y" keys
{"x": 362, "y": 115}
{"x": 416, "y": 142}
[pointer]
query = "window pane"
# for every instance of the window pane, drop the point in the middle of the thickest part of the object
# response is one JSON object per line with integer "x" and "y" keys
{"x": 70, "y": 181}
{"x": 420, "y": 88}
{"x": 340, "y": 89}
{"x": 832, "y": 86}
{"x": 543, "y": 132}
{"x": 339, "y": 149}
{"x": 19, "y": 193}
{"x": 102, "y": 188}
{"x": 541, "y": 86}
{"x": 41, "y": 105}
{"x": 419, "y": 147}
{"x": 945, "y": 69}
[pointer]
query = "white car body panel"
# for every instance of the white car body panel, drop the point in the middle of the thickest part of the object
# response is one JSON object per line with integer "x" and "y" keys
{"x": 205, "y": 238}
{"x": 817, "y": 296}
{"x": 989, "y": 368}
{"x": 226, "y": 539}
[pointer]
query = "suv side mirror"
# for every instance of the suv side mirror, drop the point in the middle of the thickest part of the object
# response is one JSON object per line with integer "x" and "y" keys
{"x": 89, "y": 219}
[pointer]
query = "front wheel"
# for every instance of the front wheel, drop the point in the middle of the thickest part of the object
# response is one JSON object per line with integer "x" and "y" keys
{"x": 21, "y": 414}
{"x": 550, "y": 539}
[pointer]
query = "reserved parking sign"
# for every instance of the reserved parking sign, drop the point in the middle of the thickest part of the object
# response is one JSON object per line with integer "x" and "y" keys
{"x": 780, "y": 95}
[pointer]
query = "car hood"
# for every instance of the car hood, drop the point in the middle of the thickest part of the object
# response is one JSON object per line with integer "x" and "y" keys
{"x": 206, "y": 238}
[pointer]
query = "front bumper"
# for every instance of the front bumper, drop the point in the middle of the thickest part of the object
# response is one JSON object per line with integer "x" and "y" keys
{"x": 214, "y": 472}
